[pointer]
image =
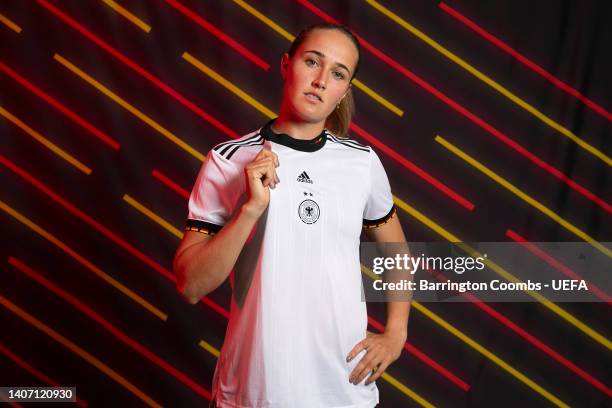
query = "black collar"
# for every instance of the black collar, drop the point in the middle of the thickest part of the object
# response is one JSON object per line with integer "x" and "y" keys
{"x": 310, "y": 145}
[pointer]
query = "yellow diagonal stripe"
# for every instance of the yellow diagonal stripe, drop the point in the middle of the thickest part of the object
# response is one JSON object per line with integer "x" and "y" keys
{"x": 534, "y": 203}
{"x": 227, "y": 84}
{"x": 407, "y": 391}
{"x": 491, "y": 356}
{"x": 472, "y": 343}
{"x": 134, "y": 111}
{"x": 289, "y": 37}
{"x": 125, "y": 13}
{"x": 434, "y": 226}
{"x": 159, "y": 220}
{"x": 263, "y": 18}
{"x": 498, "y": 87}
{"x": 44, "y": 141}
{"x": 500, "y": 271}
{"x": 113, "y": 282}
{"x": 10, "y": 24}
{"x": 211, "y": 349}
{"x": 78, "y": 351}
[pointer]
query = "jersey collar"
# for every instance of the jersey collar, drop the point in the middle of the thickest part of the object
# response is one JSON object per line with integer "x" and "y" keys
{"x": 310, "y": 145}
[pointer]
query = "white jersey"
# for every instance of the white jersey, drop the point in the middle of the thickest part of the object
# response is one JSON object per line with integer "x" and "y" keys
{"x": 296, "y": 309}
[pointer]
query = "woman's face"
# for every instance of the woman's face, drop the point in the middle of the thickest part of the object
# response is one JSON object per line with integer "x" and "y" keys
{"x": 318, "y": 75}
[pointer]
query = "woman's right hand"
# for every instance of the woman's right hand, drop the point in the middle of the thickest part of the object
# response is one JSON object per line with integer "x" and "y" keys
{"x": 261, "y": 175}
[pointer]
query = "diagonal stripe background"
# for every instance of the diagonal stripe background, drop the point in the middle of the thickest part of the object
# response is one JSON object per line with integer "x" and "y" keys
{"x": 492, "y": 120}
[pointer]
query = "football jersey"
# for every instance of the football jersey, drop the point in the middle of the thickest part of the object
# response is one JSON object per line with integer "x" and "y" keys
{"x": 296, "y": 308}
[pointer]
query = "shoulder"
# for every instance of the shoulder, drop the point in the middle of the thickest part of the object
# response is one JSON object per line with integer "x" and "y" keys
{"x": 346, "y": 143}
{"x": 232, "y": 150}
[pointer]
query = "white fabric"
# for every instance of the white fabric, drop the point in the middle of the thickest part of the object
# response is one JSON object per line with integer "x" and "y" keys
{"x": 296, "y": 308}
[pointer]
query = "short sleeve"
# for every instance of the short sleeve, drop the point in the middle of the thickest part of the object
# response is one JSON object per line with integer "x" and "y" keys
{"x": 212, "y": 198}
{"x": 379, "y": 207}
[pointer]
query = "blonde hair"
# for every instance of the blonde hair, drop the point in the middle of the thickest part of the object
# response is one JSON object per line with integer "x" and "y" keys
{"x": 339, "y": 120}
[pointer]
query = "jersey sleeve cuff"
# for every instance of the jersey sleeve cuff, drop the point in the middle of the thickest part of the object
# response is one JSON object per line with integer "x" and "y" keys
{"x": 380, "y": 221}
{"x": 204, "y": 227}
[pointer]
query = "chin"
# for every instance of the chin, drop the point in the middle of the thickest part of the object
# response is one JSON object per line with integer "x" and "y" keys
{"x": 308, "y": 116}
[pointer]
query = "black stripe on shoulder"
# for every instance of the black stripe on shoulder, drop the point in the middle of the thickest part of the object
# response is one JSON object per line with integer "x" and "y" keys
{"x": 349, "y": 143}
{"x": 380, "y": 221}
{"x": 353, "y": 141}
{"x": 204, "y": 227}
{"x": 234, "y": 149}
{"x": 222, "y": 148}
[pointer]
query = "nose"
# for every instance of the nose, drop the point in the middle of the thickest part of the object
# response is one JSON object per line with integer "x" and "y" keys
{"x": 320, "y": 81}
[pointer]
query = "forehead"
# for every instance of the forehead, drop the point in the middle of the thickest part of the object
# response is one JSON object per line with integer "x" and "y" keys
{"x": 334, "y": 44}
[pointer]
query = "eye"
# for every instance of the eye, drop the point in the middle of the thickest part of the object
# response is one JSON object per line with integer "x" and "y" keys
{"x": 338, "y": 75}
{"x": 310, "y": 62}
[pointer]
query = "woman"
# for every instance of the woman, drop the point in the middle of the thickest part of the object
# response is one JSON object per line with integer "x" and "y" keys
{"x": 282, "y": 208}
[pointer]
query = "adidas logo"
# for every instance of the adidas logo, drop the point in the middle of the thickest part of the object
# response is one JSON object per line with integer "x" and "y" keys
{"x": 304, "y": 178}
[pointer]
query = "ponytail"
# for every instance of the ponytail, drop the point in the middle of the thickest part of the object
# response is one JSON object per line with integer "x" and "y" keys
{"x": 339, "y": 120}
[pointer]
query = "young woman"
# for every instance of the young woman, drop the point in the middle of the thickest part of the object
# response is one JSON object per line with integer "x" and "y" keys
{"x": 282, "y": 208}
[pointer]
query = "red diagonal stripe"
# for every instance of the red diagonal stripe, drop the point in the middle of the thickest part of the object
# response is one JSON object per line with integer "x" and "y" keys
{"x": 412, "y": 167}
{"x": 141, "y": 71}
{"x": 35, "y": 372}
{"x": 219, "y": 34}
{"x": 57, "y": 105}
{"x": 426, "y": 359}
{"x": 526, "y": 61}
{"x": 557, "y": 265}
{"x": 168, "y": 182}
{"x": 164, "y": 365}
{"x": 469, "y": 115}
{"x": 101, "y": 228}
{"x": 528, "y": 337}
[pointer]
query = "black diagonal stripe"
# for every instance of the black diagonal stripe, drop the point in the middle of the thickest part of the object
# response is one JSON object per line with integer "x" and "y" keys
{"x": 253, "y": 143}
{"x": 306, "y": 175}
{"x": 349, "y": 143}
{"x": 224, "y": 147}
{"x": 227, "y": 147}
{"x": 346, "y": 140}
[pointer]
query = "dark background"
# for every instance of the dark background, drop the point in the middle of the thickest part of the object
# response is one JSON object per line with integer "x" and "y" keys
{"x": 64, "y": 224}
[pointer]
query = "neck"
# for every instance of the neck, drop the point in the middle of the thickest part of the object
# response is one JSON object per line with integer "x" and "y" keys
{"x": 297, "y": 129}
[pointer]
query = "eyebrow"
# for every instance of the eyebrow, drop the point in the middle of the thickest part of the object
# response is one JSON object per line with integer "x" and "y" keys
{"x": 320, "y": 54}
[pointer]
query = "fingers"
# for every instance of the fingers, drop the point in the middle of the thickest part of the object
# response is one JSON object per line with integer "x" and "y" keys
{"x": 263, "y": 167}
{"x": 271, "y": 160}
{"x": 265, "y": 152}
{"x": 263, "y": 170}
{"x": 373, "y": 364}
{"x": 378, "y": 371}
{"x": 362, "y": 345}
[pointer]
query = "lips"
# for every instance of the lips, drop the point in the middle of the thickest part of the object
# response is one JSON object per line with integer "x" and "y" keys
{"x": 314, "y": 94}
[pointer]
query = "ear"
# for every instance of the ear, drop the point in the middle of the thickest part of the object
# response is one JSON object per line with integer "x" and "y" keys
{"x": 284, "y": 63}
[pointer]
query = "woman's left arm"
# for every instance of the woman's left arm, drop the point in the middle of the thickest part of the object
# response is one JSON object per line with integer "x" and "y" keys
{"x": 383, "y": 349}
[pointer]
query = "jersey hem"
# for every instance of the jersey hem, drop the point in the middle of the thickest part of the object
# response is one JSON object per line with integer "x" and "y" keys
{"x": 203, "y": 227}
{"x": 216, "y": 403}
{"x": 380, "y": 221}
